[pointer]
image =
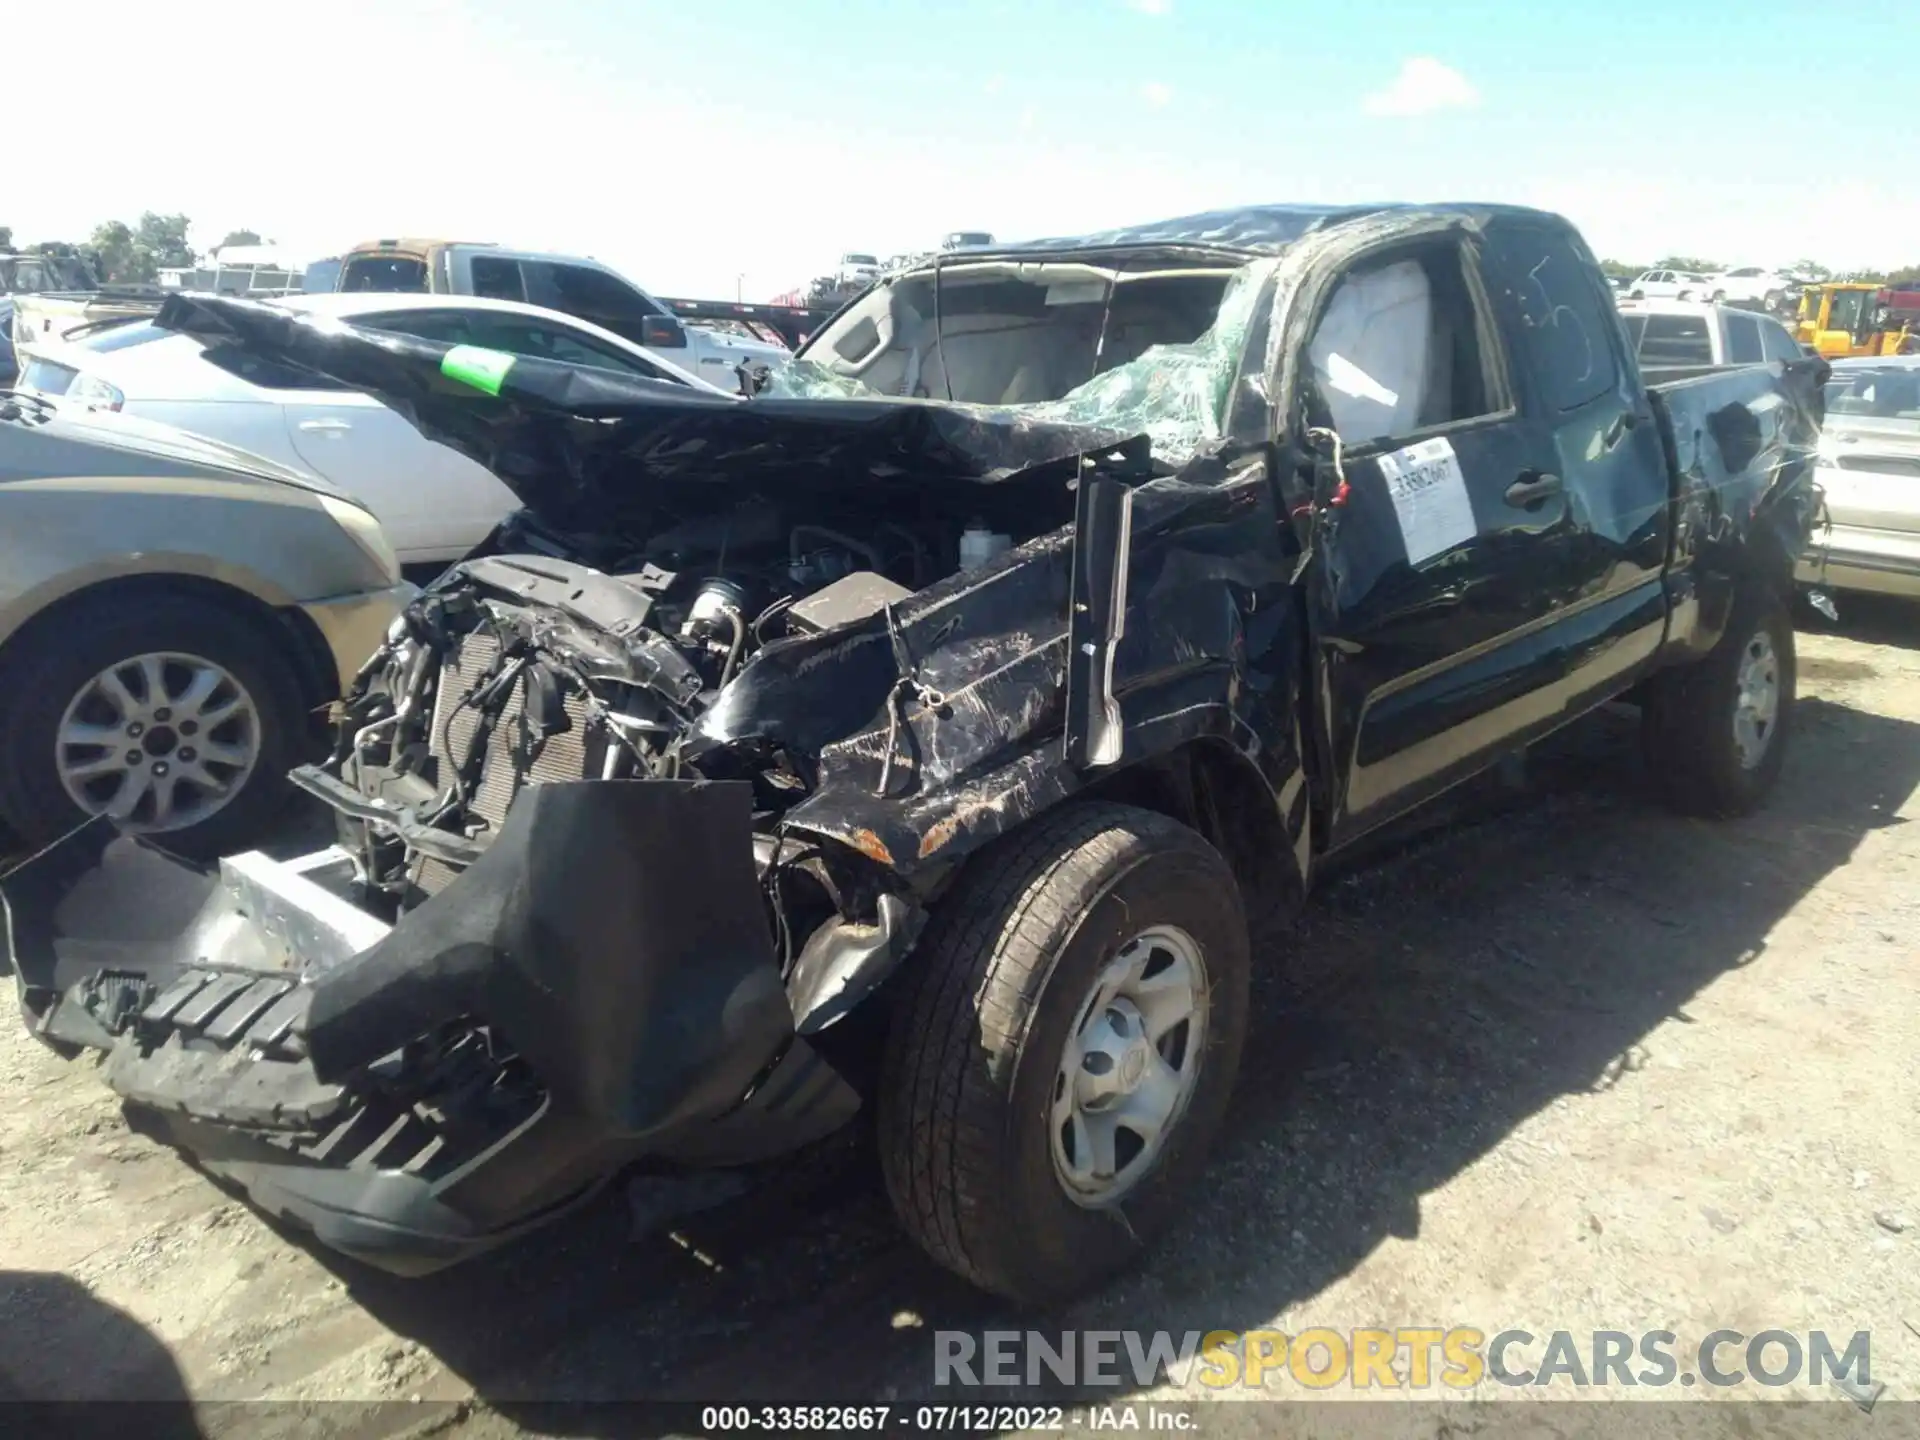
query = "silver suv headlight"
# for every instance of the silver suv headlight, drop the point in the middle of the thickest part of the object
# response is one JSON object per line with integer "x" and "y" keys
{"x": 365, "y": 531}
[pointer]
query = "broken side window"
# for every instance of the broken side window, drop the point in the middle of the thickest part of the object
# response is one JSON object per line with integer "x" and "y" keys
{"x": 1403, "y": 347}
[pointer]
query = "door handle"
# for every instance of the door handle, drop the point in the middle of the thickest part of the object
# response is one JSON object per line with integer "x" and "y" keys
{"x": 1526, "y": 493}
{"x": 326, "y": 427}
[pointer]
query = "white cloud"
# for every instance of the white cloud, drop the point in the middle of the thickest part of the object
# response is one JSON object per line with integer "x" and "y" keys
{"x": 995, "y": 84}
{"x": 1423, "y": 86}
{"x": 1157, "y": 94}
{"x": 1150, "y": 7}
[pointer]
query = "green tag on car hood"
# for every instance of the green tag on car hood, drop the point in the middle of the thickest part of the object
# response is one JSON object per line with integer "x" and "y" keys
{"x": 480, "y": 368}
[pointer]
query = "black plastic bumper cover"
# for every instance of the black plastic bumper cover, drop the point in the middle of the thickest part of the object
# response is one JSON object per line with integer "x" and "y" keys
{"x": 612, "y": 936}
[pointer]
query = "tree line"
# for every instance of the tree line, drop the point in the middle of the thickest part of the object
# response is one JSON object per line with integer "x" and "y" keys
{"x": 123, "y": 254}
{"x": 135, "y": 254}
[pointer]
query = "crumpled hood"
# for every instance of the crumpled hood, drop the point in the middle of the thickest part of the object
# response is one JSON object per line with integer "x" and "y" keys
{"x": 579, "y": 446}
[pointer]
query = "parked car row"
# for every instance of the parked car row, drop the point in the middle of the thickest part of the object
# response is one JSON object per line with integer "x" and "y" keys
{"x": 435, "y": 503}
{"x": 1746, "y": 285}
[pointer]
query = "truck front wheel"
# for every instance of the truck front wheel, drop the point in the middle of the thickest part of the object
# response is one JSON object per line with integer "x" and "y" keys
{"x": 1063, "y": 1050}
{"x": 1715, "y": 733}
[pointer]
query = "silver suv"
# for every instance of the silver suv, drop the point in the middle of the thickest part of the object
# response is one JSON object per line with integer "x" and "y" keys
{"x": 175, "y": 617}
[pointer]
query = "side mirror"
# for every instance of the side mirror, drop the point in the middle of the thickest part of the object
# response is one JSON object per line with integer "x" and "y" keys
{"x": 663, "y": 332}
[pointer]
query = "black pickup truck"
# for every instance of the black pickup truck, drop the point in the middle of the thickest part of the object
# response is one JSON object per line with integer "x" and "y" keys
{"x": 938, "y": 732}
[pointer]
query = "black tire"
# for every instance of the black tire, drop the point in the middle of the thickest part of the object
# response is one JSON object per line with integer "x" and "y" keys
{"x": 1638, "y": 295}
{"x": 980, "y": 1026}
{"x": 46, "y": 669}
{"x": 1687, "y": 721}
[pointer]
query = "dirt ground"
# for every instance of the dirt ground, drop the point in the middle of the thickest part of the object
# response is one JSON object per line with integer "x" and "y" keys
{"x": 1573, "y": 1064}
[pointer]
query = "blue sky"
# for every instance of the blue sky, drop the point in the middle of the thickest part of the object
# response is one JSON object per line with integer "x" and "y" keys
{"x": 702, "y": 146}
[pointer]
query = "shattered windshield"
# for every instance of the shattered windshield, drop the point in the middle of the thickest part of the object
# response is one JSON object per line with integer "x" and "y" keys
{"x": 1144, "y": 349}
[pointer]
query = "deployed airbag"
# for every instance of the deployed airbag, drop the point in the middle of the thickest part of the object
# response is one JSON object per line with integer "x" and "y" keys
{"x": 1370, "y": 355}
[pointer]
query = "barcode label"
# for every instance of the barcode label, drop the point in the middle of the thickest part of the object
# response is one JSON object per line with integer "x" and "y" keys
{"x": 1430, "y": 498}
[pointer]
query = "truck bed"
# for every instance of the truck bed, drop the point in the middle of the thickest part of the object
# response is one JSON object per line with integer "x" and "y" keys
{"x": 1737, "y": 444}
{"x": 1692, "y": 399}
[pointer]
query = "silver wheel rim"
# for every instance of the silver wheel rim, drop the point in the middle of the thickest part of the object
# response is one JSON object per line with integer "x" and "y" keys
{"x": 1130, "y": 1065}
{"x": 1757, "y": 702}
{"x": 158, "y": 742}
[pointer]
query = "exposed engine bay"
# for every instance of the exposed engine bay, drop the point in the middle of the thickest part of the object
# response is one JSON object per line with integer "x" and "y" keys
{"x": 529, "y": 666}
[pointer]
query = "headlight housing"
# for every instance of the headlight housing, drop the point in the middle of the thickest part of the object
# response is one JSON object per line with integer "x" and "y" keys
{"x": 364, "y": 530}
{"x": 91, "y": 390}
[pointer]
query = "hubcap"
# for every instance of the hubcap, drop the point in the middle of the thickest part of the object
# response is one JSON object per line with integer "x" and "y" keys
{"x": 158, "y": 742}
{"x": 1130, "y": 1065}
{"x": 1757, "y": 701}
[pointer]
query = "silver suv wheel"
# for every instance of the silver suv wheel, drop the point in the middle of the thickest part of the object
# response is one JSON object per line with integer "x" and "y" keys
{"x": 158, "y": 741}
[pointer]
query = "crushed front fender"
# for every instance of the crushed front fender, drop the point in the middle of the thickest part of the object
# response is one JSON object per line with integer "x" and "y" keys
{"x": 598, "y": 988}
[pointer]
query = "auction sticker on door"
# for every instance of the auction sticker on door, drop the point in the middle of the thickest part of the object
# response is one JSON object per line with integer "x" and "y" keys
{"x": 1429, "y": 497}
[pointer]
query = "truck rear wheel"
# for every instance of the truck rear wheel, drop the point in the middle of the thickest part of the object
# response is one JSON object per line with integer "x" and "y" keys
{"x": 1064, "y": 1049}
{"x": 1715, "y": 733}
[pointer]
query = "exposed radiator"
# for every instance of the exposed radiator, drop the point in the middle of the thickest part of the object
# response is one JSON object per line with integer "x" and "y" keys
{"x": 507, "y": 769}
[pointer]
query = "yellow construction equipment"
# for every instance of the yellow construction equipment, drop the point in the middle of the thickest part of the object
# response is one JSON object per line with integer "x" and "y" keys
{"x": 1853, "y": 317}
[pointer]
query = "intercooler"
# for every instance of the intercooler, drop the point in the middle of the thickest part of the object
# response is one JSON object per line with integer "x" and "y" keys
{"x": 514, "y": 759}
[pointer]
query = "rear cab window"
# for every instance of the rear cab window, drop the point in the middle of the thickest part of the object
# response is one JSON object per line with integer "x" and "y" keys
{"x": 402, "y": 274}
{"x": 1673, "y": 339}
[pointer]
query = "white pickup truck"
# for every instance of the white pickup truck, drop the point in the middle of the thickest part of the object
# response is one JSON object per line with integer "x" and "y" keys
{"x": 572, "y": 285}
{"x": 1689, "y": 332}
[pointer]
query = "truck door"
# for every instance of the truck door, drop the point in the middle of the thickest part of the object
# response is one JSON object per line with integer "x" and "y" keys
{"x": 1459, "y": 554}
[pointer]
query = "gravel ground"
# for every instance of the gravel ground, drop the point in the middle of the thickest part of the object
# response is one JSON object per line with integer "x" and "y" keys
{"x": 1573, "y": 1064}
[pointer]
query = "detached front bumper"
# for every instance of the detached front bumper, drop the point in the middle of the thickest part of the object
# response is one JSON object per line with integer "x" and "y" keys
{"x": 598, "y": 987}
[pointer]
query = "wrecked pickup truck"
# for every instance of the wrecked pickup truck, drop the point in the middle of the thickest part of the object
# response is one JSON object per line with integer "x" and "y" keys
{"x": 938, "y": 732}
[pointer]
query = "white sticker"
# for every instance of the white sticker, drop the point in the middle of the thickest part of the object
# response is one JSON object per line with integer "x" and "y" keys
{"x": 1429, "y": 498}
